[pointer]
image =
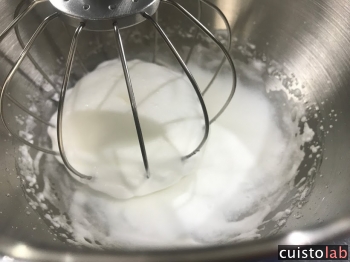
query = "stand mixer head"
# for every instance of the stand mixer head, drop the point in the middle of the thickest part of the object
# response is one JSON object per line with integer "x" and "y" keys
{"x": 114, "y": 15}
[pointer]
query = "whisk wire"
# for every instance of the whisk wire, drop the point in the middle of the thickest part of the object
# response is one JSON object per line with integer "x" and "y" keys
{"x": 154, "y": 60}
{"x": 131, "y": 97}
{"x": 229, "y": 45}
{"x": 78, "y": 55}
{"x": 197, "y": 33}
{"x": 69, "y": 66}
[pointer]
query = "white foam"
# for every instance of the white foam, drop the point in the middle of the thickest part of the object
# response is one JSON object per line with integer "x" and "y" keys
{"x": 242, "y": 174}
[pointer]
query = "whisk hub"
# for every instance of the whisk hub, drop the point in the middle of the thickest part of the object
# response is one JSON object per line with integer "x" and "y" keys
{"x": 99, "y": 15}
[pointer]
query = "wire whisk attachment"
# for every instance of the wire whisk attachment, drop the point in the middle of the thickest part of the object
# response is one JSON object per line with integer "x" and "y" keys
{"x": 113, "y": 15}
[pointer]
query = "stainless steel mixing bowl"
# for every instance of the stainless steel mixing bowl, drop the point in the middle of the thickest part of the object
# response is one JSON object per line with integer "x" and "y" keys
{"x": 310, "y": 38}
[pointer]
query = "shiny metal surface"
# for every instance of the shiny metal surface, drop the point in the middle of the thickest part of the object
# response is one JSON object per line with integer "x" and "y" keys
{"x": 12, "y": 73}
{"x": 99, "y": 15}
{"x": 311, "y": 38}
{"x": 15, "y": 21}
